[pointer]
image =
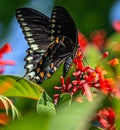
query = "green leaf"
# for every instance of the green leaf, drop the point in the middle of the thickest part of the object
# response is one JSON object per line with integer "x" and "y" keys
{"x": 78, "y": 116}
{"x": 113, "y": 45}
{"x": 65, "y": 98}
{"x": 45, "y": 105}
{"x": 31, "y": 121}
{"x": 9, "y": 86}
{"x": 92, "y": 55}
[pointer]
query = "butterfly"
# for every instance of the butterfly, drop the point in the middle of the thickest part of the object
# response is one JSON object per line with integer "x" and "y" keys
{"x": 52, "y": 41}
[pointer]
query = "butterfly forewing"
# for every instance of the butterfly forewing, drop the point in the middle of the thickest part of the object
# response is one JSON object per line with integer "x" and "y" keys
{"x": 35, "y": 27}
{"x": 62, "y": 24}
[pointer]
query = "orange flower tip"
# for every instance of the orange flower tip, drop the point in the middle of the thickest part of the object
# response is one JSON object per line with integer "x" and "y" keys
{"x": 105, "y": 54}
{"x": 94, "y": 74}
{"x": 78, "y": 99}
{"x": 118, "y": 77}
{"x": 114, "y": 62}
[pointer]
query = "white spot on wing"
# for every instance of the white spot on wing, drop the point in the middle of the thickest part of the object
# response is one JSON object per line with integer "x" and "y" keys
{"x": 52, "y": 38}
{"x": 24, "y": 24}
{"x": 34, "y": 46}
{"x": 31, "y": 40}
{"x": 37, "y": 78}
{"x": 31, "y": 74}
{"x": 26, "y": 28}
{"x": 53, "y": 25}
{"x": 29, "y": 67}
{"x": 52, "y": 31}
{"x": 21, "y": 19}
{"x": 18, "y": 11}
{"x": 53, "y": 20}
{"x": 19, "y": 15}
{"x": 29, "y": 58}
{"x": 54, "y": 16}
{"x": 54, "y": 12}
{"x": 28, "y": 34}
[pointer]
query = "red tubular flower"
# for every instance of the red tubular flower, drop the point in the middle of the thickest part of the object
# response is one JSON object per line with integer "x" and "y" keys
{"x": 65, "y": 88}
{"x": 106, "y": 118}
{"x": 82, "y": 41}
{"x": 5, "y": 49}
{"x": 98, "y": 38}
{"x": 116, "y": 25}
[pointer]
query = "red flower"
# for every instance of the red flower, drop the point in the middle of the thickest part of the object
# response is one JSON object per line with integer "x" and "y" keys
{"x": 5, "y": 49}
{"x": 82, "y": 41}
{"x": 116, "y": 25}
{"x": 106, "y": 118}
{"x": 98, "y": 38}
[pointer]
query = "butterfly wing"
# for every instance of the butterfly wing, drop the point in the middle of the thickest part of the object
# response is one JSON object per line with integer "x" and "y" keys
{"x": 62, "y": 25}
{"x": 63, "y": 34}
{"x": 35, "y": 27}
{"x": 40, "y": 31}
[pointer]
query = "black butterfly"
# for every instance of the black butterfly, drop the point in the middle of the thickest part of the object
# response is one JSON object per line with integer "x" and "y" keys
{"x": 52, "y": 41}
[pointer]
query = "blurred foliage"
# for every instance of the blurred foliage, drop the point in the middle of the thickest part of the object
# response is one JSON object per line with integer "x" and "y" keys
{"x": 7, "y": 11}
{"x": 89, "y": 15}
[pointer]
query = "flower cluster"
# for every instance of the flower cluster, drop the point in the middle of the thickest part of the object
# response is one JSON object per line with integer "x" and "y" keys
{"x": 106, "y": 118}
{"x": 85, "y": 77}
{"x": 3, "y": 50}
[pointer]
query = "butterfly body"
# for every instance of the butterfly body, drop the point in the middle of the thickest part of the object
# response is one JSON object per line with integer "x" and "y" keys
{"x": 52, "y": 41}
